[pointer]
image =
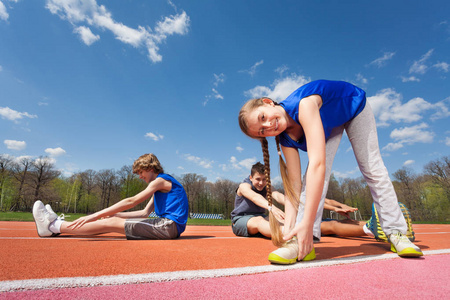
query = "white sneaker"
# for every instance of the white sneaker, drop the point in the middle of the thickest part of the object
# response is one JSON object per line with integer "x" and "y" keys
{"x": 403, "y": 246}
{"x": 285, "y": 255}
{"x": 54, "y": 216}
{"x": 42, "y": 218}
{"x": 288, "y": 254}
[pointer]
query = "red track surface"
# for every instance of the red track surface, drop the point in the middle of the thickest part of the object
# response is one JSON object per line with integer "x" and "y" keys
{"x": 25, "y": 256}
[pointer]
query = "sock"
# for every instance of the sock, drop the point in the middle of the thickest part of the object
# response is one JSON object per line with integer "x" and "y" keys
{"x": 55, "y": 226}
{"x": 367, "y": 231}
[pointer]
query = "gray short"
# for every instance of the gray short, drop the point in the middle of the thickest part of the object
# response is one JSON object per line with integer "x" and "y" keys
{"x": 150, "y": 229}
{"x": 239, "y": 225}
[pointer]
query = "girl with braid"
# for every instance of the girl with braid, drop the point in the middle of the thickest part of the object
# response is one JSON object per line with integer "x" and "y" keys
{"x": 313, "y": 119}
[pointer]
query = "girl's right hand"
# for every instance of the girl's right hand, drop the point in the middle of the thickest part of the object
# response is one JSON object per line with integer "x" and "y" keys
{"x": 304, "y": 238}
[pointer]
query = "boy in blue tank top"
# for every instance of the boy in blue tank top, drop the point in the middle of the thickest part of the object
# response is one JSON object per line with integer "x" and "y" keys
{"x": 168, "y": 200}
{"x": 313, "y": 119}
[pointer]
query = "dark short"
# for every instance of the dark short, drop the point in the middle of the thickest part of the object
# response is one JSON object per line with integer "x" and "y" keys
{"x": 239, "y": 225}
{"x": 150, "y": 229}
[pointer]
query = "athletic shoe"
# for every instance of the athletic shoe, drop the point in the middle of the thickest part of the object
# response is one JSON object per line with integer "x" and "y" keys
{"x": 407, "y": 215}
{"x": 403, "y": 246}
{"x": 288, "y": 254}
{"x": 55, "y": 216}
{"x": 42, "y": 218}
{"x": 374, "y": 226}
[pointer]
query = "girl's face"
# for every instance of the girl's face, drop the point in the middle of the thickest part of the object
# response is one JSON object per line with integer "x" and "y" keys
{"x": 266, "y": 120}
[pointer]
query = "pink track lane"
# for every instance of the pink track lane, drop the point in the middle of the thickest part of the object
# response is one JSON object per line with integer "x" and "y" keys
{"x": 425, "y": 278}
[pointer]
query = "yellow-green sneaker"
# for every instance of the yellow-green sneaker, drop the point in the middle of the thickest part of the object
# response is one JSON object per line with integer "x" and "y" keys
{"x": 401, "y": 245}
{"x": 288, "y": 254}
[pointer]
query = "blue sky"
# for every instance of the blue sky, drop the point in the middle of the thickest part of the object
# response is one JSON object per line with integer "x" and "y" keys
{"x": 95, "y": 84}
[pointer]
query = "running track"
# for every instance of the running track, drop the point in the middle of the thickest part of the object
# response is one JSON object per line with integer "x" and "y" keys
{"x": 210, "y": 262}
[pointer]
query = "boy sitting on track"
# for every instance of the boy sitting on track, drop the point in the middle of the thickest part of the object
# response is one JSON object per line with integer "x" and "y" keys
{"x": 169, "y": 202}
{"x": 248, "y": 217}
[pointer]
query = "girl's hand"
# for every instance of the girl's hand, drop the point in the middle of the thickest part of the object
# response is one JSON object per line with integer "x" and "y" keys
{"x": 304, "y": 239}
{"x": 78, "y": 223}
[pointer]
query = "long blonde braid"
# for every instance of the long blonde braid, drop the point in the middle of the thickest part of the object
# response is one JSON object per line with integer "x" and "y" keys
{"x": 277, "y": 237}
{"x": 288, "y": 188}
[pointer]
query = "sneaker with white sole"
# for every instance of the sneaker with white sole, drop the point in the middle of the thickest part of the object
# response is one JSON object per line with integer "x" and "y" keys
{"x": 288, "y": 254}
{"x": 53, "y": 215}
{"x": 42, "y": 218}
{"x": 401, "y": 245}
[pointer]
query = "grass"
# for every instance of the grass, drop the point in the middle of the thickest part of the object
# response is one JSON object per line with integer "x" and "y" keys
{"x": 28, "y": 217}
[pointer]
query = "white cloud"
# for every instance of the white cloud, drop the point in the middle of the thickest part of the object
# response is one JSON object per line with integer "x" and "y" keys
{"x": 45, "y": 160}
{"x": 252, "y": 70}
{"x": 387, "y": 107}
{"x": 442, "y": 110}
{"x": 410, "y": 79}
{"x": 239, "y": 148}
{"x": 413, "y": 134}
{"x": 15, "y": 145}
{"x": 155, "y": 137}
{"x": 1, "y": 68}
{"x": 281, "y": 88}
{"x": 346, "y": 174}
{"x": 215, "y": 94}
{"x": 12, "y": 115}
{"x": 392, "y": 146}
{"x": 55, "y": 152}
{"x": 447, "y": 141}
{"x": 408, "y": 162}
{"x": 89, "y": 13}
{"x": 442, "y": 66}
{"x": 219, "y": 79}
{"x": 245, "y": 163}
{"x": 3, "y": 12}
{"x": 281, "y": 70}
{"x": 202, "y": 162}
{"x": 361, "y": 79}
{"x": 86, "y": 35}
{"x": 419, "y": 66}
{"x": 381, "y": 61}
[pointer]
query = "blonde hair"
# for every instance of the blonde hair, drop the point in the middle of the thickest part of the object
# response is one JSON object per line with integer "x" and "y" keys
{"x": 147, "y": 162}
{"x": 277, "y": 238}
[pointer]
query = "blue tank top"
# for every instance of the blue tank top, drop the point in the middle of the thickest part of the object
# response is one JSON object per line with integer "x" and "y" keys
{"x": 173, "y": 205}
{"x": 341, "y": 102}
{"x": 244, "y": 206}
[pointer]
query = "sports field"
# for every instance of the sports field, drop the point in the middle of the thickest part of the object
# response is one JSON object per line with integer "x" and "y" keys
{"x": 210, "y": 262}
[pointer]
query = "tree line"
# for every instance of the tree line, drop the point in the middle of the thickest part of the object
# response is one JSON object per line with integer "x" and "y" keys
{"x": 22, "y": 182}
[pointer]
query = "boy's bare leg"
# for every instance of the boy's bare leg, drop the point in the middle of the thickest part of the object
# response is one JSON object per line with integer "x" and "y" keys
{"x": 259, "y": 224}
{"x": 342, "y": 229}
{"x": 113, "y": 224}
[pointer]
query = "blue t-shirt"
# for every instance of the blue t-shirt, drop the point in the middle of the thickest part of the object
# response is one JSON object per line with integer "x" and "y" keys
{"x": 173, "y": 205}
{"x": 341, "y": 102}
{"x": 244, "y": 206}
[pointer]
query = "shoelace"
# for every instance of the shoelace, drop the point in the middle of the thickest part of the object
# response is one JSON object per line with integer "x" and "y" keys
{"x": 61, "y": 217}
{"x": 401, "y": 238}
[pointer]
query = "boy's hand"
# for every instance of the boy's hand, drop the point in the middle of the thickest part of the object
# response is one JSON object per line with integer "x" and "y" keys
{"x": 78, "y": 223}
{"x": 278, "y": 214}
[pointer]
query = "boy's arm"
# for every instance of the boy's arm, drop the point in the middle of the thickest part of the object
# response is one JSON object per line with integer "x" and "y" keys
{"x": 143, "y": 213}
{"x": 158, "y": 184}
{"x": 279, "y": 197}
{"x": 245, "y": 190}
{"x": 338, "y": 207}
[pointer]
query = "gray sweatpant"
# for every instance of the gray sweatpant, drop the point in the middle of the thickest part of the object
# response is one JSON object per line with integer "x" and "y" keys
{"x": 362, "y": 133}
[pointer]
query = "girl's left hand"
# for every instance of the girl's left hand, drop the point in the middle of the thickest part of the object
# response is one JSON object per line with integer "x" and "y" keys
{"x": 304, "y": 238}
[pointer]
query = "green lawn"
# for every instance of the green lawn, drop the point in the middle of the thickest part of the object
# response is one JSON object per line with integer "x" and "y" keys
{"x": 26, "y": 216}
